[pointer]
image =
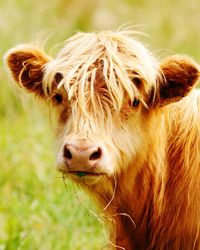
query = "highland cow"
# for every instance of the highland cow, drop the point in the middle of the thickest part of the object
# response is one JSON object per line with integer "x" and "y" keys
{"x": 128, "y": 132}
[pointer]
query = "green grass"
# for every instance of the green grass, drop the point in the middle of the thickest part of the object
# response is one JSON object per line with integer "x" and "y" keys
{"x": 37, "y": 211}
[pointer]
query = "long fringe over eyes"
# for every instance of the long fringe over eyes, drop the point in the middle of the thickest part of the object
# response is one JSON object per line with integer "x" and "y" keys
{"x": 99, "y": 70}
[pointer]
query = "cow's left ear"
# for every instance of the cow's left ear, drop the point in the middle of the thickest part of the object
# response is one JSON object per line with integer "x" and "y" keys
{"x": 26, "y": 64}
{"x": 180, "y": 73}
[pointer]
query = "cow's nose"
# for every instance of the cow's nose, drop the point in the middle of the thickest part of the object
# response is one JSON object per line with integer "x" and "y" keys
{"x": 81, "y": 158}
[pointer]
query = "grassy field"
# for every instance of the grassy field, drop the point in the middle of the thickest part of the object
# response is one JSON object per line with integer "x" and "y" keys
{"x": 37, "y": 211}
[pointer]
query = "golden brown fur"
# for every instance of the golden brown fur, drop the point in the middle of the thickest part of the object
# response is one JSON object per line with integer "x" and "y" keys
{"x": 108, "y": 88}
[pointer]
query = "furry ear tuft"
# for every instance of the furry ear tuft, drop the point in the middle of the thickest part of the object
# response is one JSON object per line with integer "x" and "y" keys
{"x": 26, "y": 64}
{"x": 180, "y": 74}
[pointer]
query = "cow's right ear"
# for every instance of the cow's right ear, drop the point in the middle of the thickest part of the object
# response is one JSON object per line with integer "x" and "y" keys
{"x": 26, "y": 64}
{"x": 179, "y": 76}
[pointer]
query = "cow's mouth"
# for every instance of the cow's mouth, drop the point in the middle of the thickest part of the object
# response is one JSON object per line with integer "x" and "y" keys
{"x": 84, "y": 174}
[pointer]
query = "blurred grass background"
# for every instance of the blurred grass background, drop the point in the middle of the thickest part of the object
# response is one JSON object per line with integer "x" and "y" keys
{"x": 37, "y": 211}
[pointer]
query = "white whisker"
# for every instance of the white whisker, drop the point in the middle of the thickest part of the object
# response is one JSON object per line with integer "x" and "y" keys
{"x": 113, "y": 195}
{"x": 127, "y": 215}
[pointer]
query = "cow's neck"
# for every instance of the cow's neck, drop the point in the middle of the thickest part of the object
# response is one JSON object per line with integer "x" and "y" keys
{"x": 131, "y": 207}
{"x": 134, "y": 208}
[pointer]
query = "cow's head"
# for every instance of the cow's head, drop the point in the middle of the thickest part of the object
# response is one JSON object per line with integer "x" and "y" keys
{"x": 105, "y": 89}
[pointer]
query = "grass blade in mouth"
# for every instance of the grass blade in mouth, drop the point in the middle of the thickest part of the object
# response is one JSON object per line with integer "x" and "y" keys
{"x": 81, "y": 174}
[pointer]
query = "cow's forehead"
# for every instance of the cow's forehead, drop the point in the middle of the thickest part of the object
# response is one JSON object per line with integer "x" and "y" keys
{"x": 107, "y": 62}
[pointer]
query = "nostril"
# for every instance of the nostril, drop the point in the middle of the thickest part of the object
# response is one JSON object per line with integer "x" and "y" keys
{"x": 95, "y": 155}
{"x": 67, "y": 154}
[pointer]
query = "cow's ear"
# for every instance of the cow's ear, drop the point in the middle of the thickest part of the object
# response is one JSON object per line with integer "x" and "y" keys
{"x": 180, "y": 73}
{"x": 26, "y": 64}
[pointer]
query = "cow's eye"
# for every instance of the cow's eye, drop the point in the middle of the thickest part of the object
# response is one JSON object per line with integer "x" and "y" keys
{"x": 135, "y": 103}
{"x": 57, "y": 99}
{"x": 137, "y": 81}
{"x": 58, "y": 77}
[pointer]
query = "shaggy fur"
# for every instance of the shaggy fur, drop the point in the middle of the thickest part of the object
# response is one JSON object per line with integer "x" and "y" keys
{"x": 108, "y": 88}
